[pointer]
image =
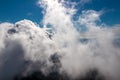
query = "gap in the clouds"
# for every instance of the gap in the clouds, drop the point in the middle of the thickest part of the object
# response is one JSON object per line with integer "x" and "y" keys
{"x": 111, "y": 10}
{"x": 16, "y": 10}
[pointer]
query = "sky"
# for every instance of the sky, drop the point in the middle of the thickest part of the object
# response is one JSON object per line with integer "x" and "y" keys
{"x": 15, "y": 10}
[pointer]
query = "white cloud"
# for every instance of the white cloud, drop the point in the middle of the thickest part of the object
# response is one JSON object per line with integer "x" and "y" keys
{"x": 84, "y": 1}
{"x": 24, "y": 46}
{"x": 21, "y": 42}
{"x": 98, "y": 52}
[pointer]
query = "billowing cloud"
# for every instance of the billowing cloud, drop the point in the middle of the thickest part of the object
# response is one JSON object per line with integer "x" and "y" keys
{"x": 60, "y": 51}
{"x": 22, "y": 43}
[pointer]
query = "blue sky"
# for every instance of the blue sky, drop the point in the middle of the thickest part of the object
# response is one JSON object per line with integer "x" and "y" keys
{"x": 15, "y": 10}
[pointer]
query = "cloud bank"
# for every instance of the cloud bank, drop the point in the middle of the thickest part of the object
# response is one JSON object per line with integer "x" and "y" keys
{"x": 59, "y": 47}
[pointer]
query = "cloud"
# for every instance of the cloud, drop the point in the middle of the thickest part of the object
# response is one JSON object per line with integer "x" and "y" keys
{"x": 85, "y": 1}
{"x": 95, "y": 52}
{"x": 22, "y": 42}
{"x": 29, "y": 14}
{"x": 82, "y": 3}
{"x": 59, "y": 48}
